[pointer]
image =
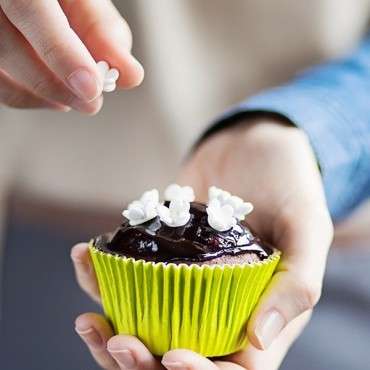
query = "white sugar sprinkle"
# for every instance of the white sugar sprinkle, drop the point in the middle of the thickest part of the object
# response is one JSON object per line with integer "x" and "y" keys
{"x": 108, "y": 75}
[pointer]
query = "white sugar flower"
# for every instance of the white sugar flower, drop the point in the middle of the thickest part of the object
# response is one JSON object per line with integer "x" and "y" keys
{"x": 220, "y": 217}
{"x": 240, "y": 208}
{"x": 177, "y": 214}
{"x": 175, "y": 191}
{"x": 108, "y": 75}
{"x": 216, "y": 193}
{"x": 150, "y": 196}
{"x": 144, "y": 209}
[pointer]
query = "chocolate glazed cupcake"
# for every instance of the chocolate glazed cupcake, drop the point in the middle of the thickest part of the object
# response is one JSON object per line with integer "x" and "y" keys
{"x": 183, "y": 274}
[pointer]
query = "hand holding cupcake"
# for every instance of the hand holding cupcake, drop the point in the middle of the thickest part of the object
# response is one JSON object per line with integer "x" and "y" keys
{"x": 274, "y": 165}
{"x": 186, "y": 272}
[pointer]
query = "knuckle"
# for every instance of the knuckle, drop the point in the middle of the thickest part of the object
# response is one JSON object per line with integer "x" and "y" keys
{"x": 17, "y": 9}
{"x": 117, "y": 27}
{"x": 50, "y": 48}
{"x": 14, "y": 100}
{"x": 50, "y": 88}
{"x": 41, "y": 87}
{"x": 308, "y": 295}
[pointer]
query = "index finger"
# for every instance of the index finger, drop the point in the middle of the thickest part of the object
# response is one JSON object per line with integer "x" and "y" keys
{"x": 46, "y": 28}
{"x": 107, "y": 36}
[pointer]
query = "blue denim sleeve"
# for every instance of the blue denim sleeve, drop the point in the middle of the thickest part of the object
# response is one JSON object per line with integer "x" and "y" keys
{"x": 331, "y": 103}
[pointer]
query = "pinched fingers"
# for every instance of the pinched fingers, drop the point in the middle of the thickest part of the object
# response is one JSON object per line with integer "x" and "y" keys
{"x": 107, "y": 36}
{"x": 19, "y": 61}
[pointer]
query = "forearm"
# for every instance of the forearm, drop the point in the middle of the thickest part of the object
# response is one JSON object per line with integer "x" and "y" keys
{"x": 331, "y": 103}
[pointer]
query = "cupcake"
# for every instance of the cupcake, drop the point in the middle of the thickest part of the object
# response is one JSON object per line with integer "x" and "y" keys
{"x": 183, "y": 274}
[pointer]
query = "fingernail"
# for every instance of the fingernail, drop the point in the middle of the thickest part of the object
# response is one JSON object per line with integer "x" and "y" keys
{"x": 84, "y": 84}
{"x": 58, "y": 107}
{"x": 78, "y": 105}
{"x": 90, "y": 336}
{"x": 175, "y": 366}
{"x": 269, "y": 328}
{"x": 125, "y": 358}
{"x": 65, "y": 109}
{"x": 83, "y": 107}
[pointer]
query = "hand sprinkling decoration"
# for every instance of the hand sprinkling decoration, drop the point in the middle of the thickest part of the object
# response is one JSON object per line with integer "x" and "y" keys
{"x": 175, "y": 191}
{"x": 144, "y": 209}
{"x": 177, "y": 214}
{"x": 240, "y": 208}
{"x": 220, "y": 217}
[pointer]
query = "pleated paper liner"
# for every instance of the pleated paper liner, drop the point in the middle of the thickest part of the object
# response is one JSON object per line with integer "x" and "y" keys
{"x": 202, "y": 308}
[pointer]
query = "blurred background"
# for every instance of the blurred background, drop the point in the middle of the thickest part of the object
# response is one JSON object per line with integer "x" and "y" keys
{"x": 65, "y": 177}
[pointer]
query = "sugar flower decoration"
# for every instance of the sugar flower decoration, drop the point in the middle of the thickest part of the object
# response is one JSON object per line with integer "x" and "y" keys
{"x": 216, "y": 193}
{"x": 240, "y": 208}
{"x": 175, "y": 191}
{"x": 108, "y": 75}
{"x": 223, "y": 210}
{"x": 177, "y": 214}
{"x": 144, "y": 209}
{"x": 220, "y": 217}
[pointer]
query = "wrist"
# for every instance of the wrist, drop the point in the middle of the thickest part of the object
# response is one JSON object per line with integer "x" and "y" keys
{"x": 272, "y": 131}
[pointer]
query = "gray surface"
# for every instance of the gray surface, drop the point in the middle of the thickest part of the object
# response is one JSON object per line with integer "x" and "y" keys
{"x": 42, "y": 299}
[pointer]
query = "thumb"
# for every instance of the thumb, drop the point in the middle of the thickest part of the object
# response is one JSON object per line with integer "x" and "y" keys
{"x": 296, "y": 286}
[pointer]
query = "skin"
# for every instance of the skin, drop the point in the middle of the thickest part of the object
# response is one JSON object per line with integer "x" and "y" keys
{"x": 45, "y": 44}
{"x": 272, "y": 165}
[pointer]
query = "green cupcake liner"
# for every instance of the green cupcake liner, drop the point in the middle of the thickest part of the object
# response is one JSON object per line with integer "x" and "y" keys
{"x": 202, "y": 308}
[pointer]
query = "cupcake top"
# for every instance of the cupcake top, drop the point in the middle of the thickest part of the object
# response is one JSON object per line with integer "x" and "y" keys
{"x": 181, "y": 230}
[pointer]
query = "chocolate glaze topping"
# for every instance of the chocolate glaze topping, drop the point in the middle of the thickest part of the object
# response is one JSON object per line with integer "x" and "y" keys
{"x": 194, "y": 242}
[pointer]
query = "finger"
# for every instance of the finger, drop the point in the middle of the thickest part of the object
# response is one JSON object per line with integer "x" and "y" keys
{"x": 183, "y": 359}
{"x": 19, "y": 60}
{"x": 107, "y": 36}
{"x": 296, "y": 287}
{"x": 46, "y": 28}
{"x": 130, "y": 353}
{"x": 84, "y": 270}
{"x": 95, "y": 332}
{"x": 252, "y": 358}
{"x": 227, "y": 365}
{"x": 15, "y": 96}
